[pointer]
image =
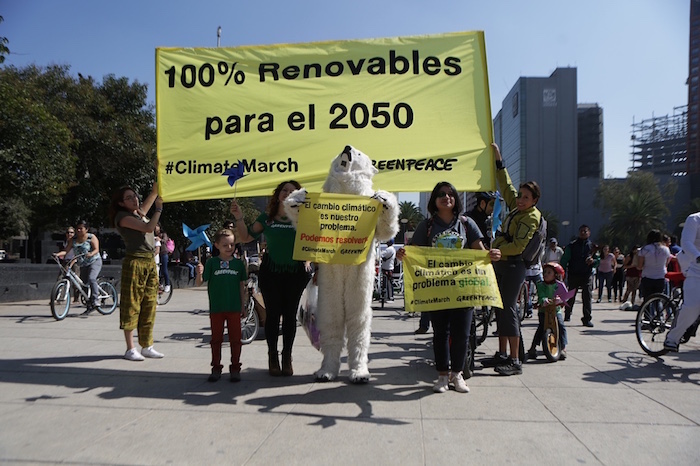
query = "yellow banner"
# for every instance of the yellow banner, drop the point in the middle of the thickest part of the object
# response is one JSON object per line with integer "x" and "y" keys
{"x": 418, "y": 106}
{"x": 336, "y": 228}
{"x": 436, "y": 279}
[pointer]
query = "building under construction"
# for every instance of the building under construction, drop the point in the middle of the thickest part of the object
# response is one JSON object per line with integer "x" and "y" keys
{"x": 659, "y": 144}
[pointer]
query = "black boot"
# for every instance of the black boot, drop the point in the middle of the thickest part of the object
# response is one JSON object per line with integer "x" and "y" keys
{"x": 274, "y": 364}
{"x": 287, "y": 369}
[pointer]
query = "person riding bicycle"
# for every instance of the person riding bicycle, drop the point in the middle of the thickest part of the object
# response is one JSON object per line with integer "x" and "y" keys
{"x": 551, "y": 290}
{"x": 481, "y": 214}
{"x": 533, "y": 275}
{"x": 68, "y": 258}
{"x": 86, "y": 248}
{"x": 387, "y": 267}
{"x": 689, "y": 260}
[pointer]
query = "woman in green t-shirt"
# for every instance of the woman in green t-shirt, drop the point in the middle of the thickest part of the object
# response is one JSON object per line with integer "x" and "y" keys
{"x": 282, "y": 279}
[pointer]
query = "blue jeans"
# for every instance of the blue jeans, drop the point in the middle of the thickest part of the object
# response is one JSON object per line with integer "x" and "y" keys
{"x": 88, "y": 274}
{"x": 604, "y": 280}
{"x": 164, "y": 268}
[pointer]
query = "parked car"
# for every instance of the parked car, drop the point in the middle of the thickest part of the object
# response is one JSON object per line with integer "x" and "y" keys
{"x": 3, "y": 255}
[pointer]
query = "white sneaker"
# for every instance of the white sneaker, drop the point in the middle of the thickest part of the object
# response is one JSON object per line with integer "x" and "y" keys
{"x": 133, "y": 355}
{"x": 442, "y": 384}
{"x": 167, "y": 288}
{"x": 458, "y": 381}
{"x": 149, "y": 352}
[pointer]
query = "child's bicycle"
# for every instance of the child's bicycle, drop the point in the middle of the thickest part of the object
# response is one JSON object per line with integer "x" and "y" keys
{"x": 61, "y": 293}
{"x": 551, "y": 343}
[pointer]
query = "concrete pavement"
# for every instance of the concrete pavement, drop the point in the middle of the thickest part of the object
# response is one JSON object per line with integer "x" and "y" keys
{"x": 67, "y": 396}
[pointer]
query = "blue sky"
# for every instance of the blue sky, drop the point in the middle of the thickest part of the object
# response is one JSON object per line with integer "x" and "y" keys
{"x": 631, "y": 55}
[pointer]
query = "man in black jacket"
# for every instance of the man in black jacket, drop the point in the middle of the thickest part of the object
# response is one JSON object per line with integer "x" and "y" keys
{"x": 578, "y": 262}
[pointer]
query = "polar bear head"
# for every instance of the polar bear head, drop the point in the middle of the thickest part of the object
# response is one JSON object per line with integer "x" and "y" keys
{"x": 351, "y": 173}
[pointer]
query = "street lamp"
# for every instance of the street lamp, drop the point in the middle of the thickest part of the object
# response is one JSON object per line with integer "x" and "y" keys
{"x": 566, "y": 224}
{"x": 404, "y": 222}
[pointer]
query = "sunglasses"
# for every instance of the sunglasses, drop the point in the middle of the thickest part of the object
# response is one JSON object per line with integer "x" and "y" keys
{"x": 442, "y": 194}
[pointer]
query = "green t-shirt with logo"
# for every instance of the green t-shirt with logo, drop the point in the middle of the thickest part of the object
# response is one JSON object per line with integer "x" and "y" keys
{"x": 280, "y": 242}
{"x": 223, "y": 284}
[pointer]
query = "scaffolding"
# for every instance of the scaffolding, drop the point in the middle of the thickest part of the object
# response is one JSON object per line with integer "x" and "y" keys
{"x": 659, "y": 144}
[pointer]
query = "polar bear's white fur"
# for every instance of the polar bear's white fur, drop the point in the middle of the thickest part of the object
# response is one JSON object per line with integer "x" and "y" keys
{"x": 344, "y": 311}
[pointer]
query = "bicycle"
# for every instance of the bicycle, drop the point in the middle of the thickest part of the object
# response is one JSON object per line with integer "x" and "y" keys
{"x": 61, "y": 293}
{"x": 655, "y": 318}
{"x": 250, "y": 319}
{"x": 483, "y": 316}
{"x": 526, "y": 296}
{"x": 163, "y": 295}
{"x": 551, "y": 343}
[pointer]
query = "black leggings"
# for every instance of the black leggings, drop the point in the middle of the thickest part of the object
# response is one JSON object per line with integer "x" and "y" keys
{"x": 281, "y": 292}
{"x": 451, "y": 337}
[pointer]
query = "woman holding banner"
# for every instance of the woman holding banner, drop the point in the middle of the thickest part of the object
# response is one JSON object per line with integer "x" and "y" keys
{"x": 446, "y": 229}
{"x": 281, "y": 278}
{"x": 139, "y": 283}
{"x": 516, "y": 231}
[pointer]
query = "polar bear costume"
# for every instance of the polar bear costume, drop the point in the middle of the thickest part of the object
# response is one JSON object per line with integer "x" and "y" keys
{"x": 344, "y": 311}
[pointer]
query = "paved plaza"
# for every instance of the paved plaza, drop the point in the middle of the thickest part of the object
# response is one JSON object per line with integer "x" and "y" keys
{"x": 67, "y": 396}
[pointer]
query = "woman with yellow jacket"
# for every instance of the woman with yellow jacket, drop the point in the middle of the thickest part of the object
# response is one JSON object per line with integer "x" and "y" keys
{"x": 516, "y": 231}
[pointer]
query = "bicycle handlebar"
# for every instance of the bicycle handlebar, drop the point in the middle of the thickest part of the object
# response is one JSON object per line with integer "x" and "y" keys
{"x": 70, "y": 263}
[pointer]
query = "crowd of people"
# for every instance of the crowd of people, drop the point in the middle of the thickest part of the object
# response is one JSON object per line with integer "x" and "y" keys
{"x": 580, "y": 265}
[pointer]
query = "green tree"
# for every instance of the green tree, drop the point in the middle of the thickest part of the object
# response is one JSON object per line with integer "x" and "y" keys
{"x": 36, "y": 151}
{"x": 117, "y": 140}
{"x": 634, "y": 207}
{"x": 4, "y": 50}
{"x": 409, "y": 211}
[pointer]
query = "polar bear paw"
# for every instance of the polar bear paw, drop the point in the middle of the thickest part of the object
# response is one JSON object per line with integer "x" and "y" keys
{"x": 292, "y": 204}
{"x": 359, "y": 376}
{"x": 324, "y": 375}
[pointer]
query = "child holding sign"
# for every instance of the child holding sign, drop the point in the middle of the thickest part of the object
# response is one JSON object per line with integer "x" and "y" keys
{"x": 226, "y": 279}
{"x": 446, "y": 229}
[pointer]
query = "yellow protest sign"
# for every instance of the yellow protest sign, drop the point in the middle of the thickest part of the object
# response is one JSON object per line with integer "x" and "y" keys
{"x": 436, "y": 279}
{"x": 418, "y": 106}
{"x": 336, "y": 228}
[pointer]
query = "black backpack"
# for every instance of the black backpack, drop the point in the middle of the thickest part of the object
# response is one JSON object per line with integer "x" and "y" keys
{"x": 535, "y": 247}
{"x": 533, "y": 251}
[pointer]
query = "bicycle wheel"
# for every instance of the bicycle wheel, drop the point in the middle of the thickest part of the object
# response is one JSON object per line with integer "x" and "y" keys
{"x": 521, "y": 304}
{"x": 60, "y": 299}
{"x": 550, "y": 337}
{"x": 250, "y": 324}
{"x": 550, "y": 344}
{"x": 471, "y": 351}
{"x": 654, "y": 319}
{"x": 107, "y": 300}
{"x": 482, "y": 318}
{"x": 164, "y": 296}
